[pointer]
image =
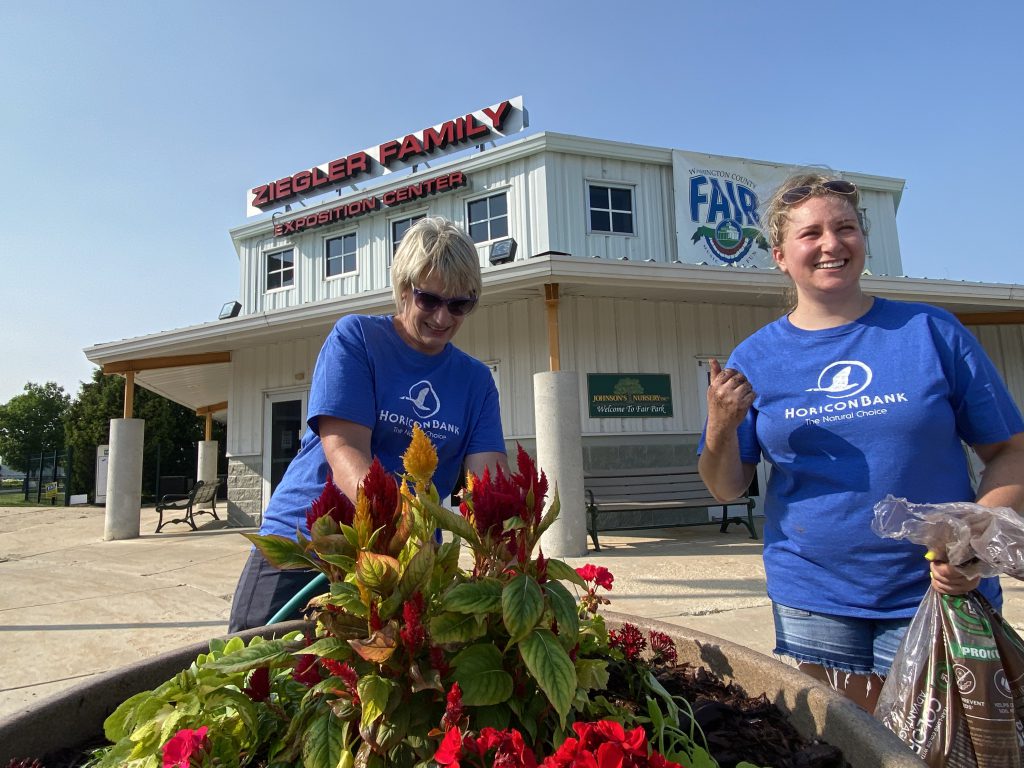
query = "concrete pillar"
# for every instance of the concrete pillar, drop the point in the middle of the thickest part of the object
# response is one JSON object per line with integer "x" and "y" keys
{"x": 207, "y": 461}
{"x": 124, "y": 480}
{"x": 556, "y": 408}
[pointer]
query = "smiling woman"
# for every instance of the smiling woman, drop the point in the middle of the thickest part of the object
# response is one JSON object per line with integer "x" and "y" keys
{"x": 851, "y": 397}
{"x": 374, "y": 379}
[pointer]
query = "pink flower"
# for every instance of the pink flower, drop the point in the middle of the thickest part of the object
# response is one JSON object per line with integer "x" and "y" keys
{"x": 182, "y": 746}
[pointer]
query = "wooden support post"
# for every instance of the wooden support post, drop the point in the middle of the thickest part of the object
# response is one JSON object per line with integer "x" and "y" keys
{"x": 551, "y": 299}
{"x": 209, "y": 427}
{"x": 129, "y": 393}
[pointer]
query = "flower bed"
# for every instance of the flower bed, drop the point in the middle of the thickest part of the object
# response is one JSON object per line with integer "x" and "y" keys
{"x": 413, "y": 661}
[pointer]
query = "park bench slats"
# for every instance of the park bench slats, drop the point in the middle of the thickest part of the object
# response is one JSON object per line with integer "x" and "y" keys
{"x": 201, "y": 493}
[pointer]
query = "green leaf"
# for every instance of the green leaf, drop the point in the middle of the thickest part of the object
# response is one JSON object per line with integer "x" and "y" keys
{"x": 322, "y": 741}
{"x": 456, "y": 627}
{"x": 378, "y": 572}
{"x": 563, "y": 606}
{"x": 330, "y": 648}
{"x": 275, "y": 653}
{"x": 551, "y": 515}
{"x": 346, "y": 594}
{"x": 346, "y": 563}
{"x": 120, "y": 722}
{"x": 417, "y": 572}
{"x": 450, "y": 521}
{"x": 522, "y": 605}
{"x": 282, "y": 552}
{"x": 373, "y": 695}
{"x": 482, "y": 596}
{"x": 559, "y": 570}
{"x": 481, "y": 675}
{"x": 552, "y": 668}
{"x": 592, "y": 674}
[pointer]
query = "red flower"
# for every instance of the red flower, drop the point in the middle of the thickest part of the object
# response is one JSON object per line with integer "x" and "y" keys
{"x": 450, "y": 750}
{"x": 258, "y": 688}
{"x": 629, "y": 640}
{"x": 413, "y": 634}
{"x": 510, "y": 751}
{"x": 528, "y": 480}
{"x": 331, "y": 502}
{"x": 663, "y": 647}
{"x": 438, "y": 661}
{"x": 597, "y": 574}
{"x": 453, "y": 710}
{"x": 606, "y": 744}
{"x": 306, "y": 670}
{"x": 182, "y": 746}
{"x": 494, "y": 502}
{"x": 349, "y": 677}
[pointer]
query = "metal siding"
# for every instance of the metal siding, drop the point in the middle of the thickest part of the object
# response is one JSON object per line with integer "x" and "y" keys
{"x": 1005, "y": 346}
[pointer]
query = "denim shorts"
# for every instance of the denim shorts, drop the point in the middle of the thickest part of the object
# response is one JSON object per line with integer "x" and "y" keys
{"x": 841, "y": 643}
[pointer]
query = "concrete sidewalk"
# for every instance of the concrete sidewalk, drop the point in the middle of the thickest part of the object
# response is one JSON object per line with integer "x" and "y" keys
{"x": 72, "y": 605}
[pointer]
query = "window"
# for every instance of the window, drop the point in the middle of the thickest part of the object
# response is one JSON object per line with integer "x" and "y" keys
{"x": 488, "y": 218}
{"x": 865, "y": 227}
{"x": 280, "y": 269}
{"x": 611, "y": 210}
{"x": 398, "y": 229}
{"x": 341, "y": 255}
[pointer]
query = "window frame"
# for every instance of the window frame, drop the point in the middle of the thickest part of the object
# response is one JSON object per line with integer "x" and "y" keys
{"x": 610, "y": 185}
{"x": 267, "y": 272}
{"x": 355, "y": 255}
{"x": 412, "y": 218}
{"x": 491, "y": 193}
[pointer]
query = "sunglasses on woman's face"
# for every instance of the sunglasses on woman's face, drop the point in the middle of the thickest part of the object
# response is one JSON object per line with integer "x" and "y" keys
{"x": 798, "y": 194}
{"x": 431, "y": 302}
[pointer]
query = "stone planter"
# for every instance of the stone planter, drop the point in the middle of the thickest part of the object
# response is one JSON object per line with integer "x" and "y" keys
{"x": 76, "y": 716}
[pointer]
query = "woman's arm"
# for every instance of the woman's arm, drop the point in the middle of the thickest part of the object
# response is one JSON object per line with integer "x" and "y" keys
{"x": 729, "y": 398}
{"x": 477, "y": 462}
{"x": 347, "y": 448}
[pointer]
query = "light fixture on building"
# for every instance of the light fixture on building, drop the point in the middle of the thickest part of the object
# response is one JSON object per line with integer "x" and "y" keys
{"x": 503, "y": 251}
{"x": 230, "y": 309}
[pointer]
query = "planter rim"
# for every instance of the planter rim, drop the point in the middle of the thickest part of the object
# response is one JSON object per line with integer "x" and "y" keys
{"x": 814, "y": 709}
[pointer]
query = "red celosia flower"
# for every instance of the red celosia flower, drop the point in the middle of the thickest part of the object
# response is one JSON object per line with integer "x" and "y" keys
{"x": 381, "y": 491}
{"x": 438, "y": 661}
{"x": 528, "y": 480}
{"x": 542, "y": 568}
{"x": 182, "y": 746}
{"x": 306, "y": 670}
{"x": 413, "y": 634}
{"x": 494, "y": 502}
{"x": 453, "y": 710}
{"x": 258, "y": 688}
{"x": 375, "y": 622}
{"x": 629, "y": 640}
{"x": 663, "y": 647}
{"x": 331, "y": 502}
{"x": 450, "y": 750}
{"x": 349, "y": 677}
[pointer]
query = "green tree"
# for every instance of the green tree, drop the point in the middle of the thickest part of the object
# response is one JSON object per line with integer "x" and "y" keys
{"x": 32, "y": 422}
{"x": 170, "y": 437}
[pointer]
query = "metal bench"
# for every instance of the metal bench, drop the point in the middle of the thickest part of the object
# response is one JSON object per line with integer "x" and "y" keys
{"x": 201, "y": 493}
{"x": 655, "y": 490}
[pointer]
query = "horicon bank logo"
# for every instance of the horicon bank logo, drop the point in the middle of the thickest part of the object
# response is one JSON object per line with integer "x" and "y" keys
{"x": 843, "y": 383}
{"x": 723, "y": 206}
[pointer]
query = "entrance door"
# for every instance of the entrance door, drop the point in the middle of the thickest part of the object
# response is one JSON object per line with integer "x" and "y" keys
{"x": 284, "y": 421}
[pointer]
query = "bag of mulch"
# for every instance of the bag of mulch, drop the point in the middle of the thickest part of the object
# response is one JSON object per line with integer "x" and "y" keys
{"x": 955, "y": 693}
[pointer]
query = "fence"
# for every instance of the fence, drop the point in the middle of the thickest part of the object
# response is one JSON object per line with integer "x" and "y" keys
{"x": 45, "y": 480}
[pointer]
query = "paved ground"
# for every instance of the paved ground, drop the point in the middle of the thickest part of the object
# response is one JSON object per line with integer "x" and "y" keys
{"x": 72, "y": 605}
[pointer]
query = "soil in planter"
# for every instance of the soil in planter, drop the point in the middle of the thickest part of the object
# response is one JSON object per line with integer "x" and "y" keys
{"x": 738, "y": 727}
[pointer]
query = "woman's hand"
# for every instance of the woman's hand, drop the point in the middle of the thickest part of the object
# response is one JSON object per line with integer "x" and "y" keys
{"x": 947, "y": 580}
{"x": 729, "y": 398}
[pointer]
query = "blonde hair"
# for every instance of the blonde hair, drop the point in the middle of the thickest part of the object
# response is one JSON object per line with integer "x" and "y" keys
{"x": 775, "y": 211}
{"x": 436, "y": 246}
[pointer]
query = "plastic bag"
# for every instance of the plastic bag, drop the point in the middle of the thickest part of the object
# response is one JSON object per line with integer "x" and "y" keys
{"x": 955, "y": 693}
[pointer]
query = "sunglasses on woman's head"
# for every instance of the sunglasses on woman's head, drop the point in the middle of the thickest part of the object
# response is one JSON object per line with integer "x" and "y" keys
{"x": 431, "y": 302}
{"x": 798, "y": 194}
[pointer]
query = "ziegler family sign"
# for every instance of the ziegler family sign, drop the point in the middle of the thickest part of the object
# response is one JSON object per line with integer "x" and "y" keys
{"x": 467, "y": 130}
{"x": 629, "y": 395}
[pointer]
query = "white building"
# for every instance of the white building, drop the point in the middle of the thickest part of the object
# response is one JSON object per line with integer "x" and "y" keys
{"x": 629, "y": 260}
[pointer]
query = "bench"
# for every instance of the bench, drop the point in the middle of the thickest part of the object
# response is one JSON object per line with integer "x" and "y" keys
{"x": 201, "y": 493}
{"x": 655, "y": 489}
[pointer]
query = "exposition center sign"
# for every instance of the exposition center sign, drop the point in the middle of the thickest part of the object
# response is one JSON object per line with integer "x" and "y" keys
{"x": 459, "y": 133}
{"x": 718, "y": 200}
{"x": 629, "y": 395}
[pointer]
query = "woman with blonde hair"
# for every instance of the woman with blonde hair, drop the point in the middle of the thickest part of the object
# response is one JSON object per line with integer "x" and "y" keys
{"x": 375, "y": 378}
{"x": 850, "y": 397}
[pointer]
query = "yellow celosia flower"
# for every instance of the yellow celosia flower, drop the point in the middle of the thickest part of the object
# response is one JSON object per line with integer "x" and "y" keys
{"x": 420, "y": 458}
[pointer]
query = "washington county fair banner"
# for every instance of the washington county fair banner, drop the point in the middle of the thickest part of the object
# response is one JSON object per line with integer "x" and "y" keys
{"x": 629, "y": 395}
{"x": 717, "y": 204}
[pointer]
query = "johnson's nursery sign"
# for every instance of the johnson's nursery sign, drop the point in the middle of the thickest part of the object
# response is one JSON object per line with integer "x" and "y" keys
{"x": 629, "y": 395}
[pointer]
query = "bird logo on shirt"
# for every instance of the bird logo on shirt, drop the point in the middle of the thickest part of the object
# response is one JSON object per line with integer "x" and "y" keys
{"x": 839, "y": 382}
{"x": 424, "y": 399}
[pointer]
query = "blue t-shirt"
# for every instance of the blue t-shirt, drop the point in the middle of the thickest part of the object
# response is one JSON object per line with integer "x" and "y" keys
{"x": 847, "y": 415}
{"x": 365, "y": 373}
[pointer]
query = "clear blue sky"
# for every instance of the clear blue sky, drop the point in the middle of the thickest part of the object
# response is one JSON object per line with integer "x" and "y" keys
{"x": 131, "y": 130}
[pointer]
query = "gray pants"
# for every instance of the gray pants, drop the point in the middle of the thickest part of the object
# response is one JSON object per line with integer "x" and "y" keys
{"x": 262, "y": 591}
